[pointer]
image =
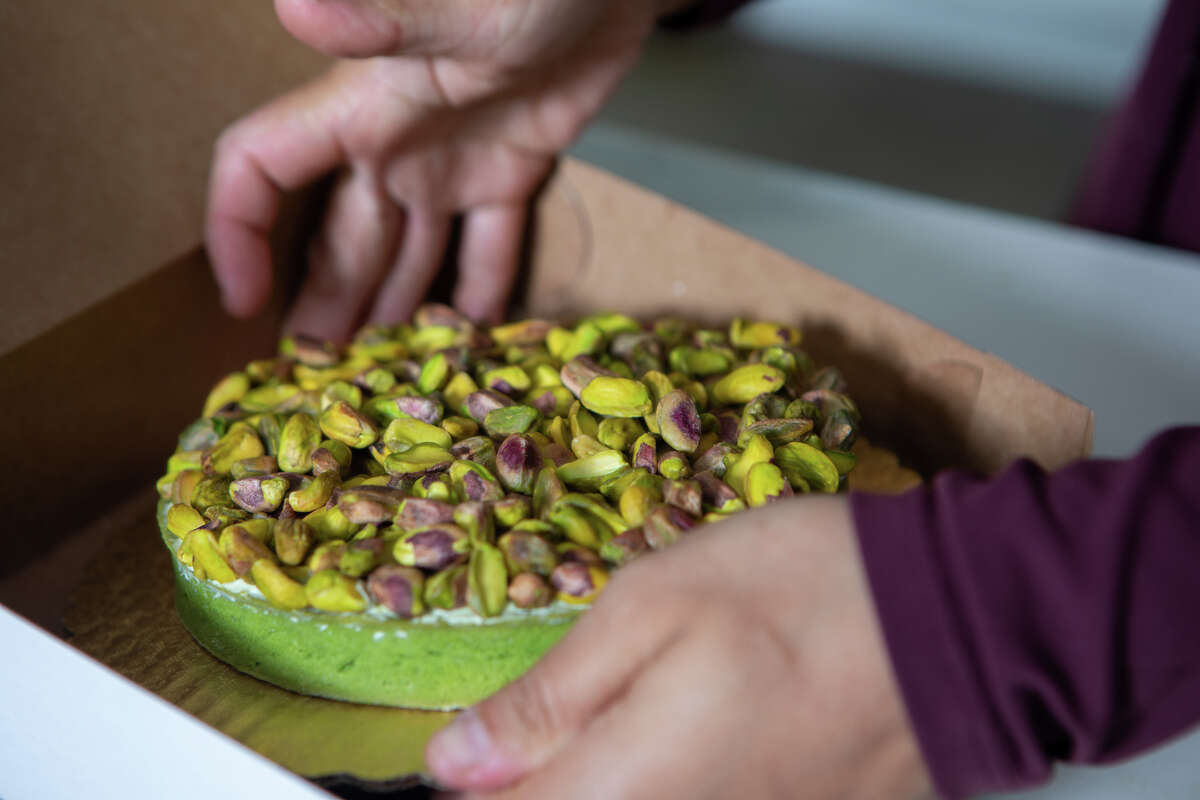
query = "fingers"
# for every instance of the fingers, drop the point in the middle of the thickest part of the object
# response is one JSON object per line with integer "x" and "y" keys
{"x": 357, "y": 29}
{"x": 623, "y": 752}
{"x": 526, "y": 723}
{"x": 420, "y": 257}
{"x": 349, "y": 258}
{"x": 280, "y": 147}
{"x": 488, "y": 260}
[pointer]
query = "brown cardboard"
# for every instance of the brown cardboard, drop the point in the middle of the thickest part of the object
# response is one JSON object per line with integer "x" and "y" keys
{"x": 110, "y": 112}
{"x": 105, "y": 392}
{"x": 604, "y": 243}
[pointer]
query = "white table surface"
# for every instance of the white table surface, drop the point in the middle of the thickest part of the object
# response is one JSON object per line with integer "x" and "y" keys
{"x": 1113, "y": 323}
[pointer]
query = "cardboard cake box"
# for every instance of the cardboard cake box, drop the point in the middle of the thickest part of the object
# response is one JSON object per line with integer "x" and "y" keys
{"x": 110, "y": 346}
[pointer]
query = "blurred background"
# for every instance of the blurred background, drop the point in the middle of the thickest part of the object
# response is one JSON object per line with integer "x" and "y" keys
{"x": 991, "y": 102}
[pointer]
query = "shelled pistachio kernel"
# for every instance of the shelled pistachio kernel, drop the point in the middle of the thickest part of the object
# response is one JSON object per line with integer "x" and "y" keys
{"x": 509, "y": 431}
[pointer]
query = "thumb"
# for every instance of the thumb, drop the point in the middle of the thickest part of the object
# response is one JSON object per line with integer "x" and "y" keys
{"x": 526, "y": 723}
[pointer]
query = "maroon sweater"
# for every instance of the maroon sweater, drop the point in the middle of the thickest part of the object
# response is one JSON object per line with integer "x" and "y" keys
{"x": 1032, "y": 618}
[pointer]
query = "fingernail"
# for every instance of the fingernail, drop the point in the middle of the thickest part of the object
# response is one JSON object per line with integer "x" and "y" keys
{"x": 461, "y": 746}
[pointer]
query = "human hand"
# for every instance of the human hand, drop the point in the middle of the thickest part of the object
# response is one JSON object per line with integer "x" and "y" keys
{"x": 746, "y": 661}
{"x": 462, "y": 110}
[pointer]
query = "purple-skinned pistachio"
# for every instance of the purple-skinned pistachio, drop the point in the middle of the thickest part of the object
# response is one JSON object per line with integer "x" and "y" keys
{"x": 241, "y": 549}
{"x": 418, "y": 512}
{"x": 448, "y": 588}
{"x": 476, "y": 519}
{"x": 479, "y": 403}
{"x": 309, "y": 350}
{"x": 674, "y": 465}
{"x": 527, "y": 590}
{"x": 435, "y": 547}
{"x": 430, "y": 315}
{"x": 579, "y": 372}
{"x": 547, "y": 489}
{"x": 361, "y": 556}
{"x": 479, "y": 449}
{"x": 578, "y": 583}
{"x": 398, "y": 588}
{"x": 713, "y": 459}
{"x": 527, "y": 552}
{"x": 517, "y": 463}
{"x": 572, "y": 553}
{"x": 426, "y": 409}
{"x": 259, "y": 493}
{"x": 685, "y": 494}
{"x": 365, "y": 505}
{"x": 645, "y": 453}
{"x": 625, "y": 546}
{"x": 714, "y": 492}
{"x": 679, "y": 421}
{"x": 664, "y": 525}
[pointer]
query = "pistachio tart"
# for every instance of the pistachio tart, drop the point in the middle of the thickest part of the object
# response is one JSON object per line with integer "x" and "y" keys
{"x": 414, "y": 519}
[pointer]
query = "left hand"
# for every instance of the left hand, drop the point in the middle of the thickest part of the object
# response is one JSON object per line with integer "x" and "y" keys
{"x": 746, "y": 661}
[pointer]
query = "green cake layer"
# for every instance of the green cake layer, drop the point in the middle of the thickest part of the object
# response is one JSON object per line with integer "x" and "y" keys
{"x": 425, "y": 663}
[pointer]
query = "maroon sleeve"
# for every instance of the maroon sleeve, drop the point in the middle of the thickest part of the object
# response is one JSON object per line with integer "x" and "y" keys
{"x": 1032, "y": 618}
{"x": 1144, "y": 178}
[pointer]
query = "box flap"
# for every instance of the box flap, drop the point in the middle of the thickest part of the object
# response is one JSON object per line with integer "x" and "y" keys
{"x": 601, "y": 242}
{"x": 110, "y": 112}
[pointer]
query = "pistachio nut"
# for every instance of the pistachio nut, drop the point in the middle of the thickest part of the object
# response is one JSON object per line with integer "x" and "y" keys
{"x": 778, "y": 431}
{"x": 518, "y": 463}
{"x": 457, "y": 390}
{"x": 362, "y": 555}
{"x": 182, "y": 519}
{"x": 576, "y": 526}
{"x": 327, "y": 555}
{"x": 715, "y": 493}
{"x": 280, "y": 590}
{"x": 415, "y": 512}
{"x": 625, "y": 546}
{"x": 459, "y": 427}
{"x": 240, "y": 441}
{"x": 572, "y": 553}
{"x": 527, "y": 331}
{"x": 582, "y": 423}
{"x": 206, "y": 555}
{"x": 399, "y": 589}
{"x": 579, "y": 583}
{"x": 616, "y": 397}
{"x": 366, "y": 505}
{"x": 249, "y": 467}
{"x": 550, "y": 401}
{"x": 664, "y": 525}
{"x": 278, "y": 397}
{"x": 475, "y": 481}
{"x": 679, "y": 421}
{"x": 765, "y": 483}
{"x": 685, "y": 494}
{"x": 376, "y": 380}
{"x": 229, "y": 389}
{"x": 241, "y": 549}
{"x": 619, "y": 433}
{"x": 487, "y": 581}
{"x": 595, "y": 509}
{"x": 588, "y": 473}
{"x": 698, "y": 361}
{"x": 635, "y": 502}
{"x": 839, "y": 431}
{"x": 435, "y": 547}
{"x": 418, "y": 460}
{"x": 758, "y": 449}
{"x": 406, "y": 431}
{"x": 844, "y": 460}
{"x": 478, "y": 449}
{"x": 579, "y": 372}
{"x": 750, "y": 335}
{"x": 674, "y": 465}
{"x": 501, "y": 422}
{"x": 510, "y": 380}
{"x": 447, "y": 588}
{"x": 339, "y": 391}
{"x": 313, "y": 493}
{"x": 330, "y": 523}
{"x": 527, "y": 590}
{"x": 807, "y": 466}
{"x": 259, "y": 494}
{"x": 330, "y": 590}
{"x": 525, "y": 551}
{"x": 292, "y": 541}
{"x": 211, "y": 491}
{"x": 745, "y": 383}
{"x": 331, "y": 456}
{"x": 479, "y": 403}
{"x": 583, "y": 446}
{"x": 201, "y": 434}
{"x": 511, "y": 510}
{"x": 644, "y": 452}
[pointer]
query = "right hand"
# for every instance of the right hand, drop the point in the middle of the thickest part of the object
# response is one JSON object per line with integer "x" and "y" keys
{"x": 461, "y": 108}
